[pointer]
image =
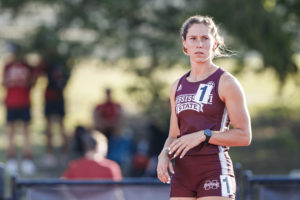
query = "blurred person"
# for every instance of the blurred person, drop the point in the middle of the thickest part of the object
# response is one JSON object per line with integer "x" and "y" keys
{"x": 140, "y": 158}
{"x": 109, "y": 119}
{"x": 54, "y": 67}
{"x": 157, "y": 138}
{"x": 79, "y": 134}
{"x": 120, "y": 147}
{"x": 107, "y": 115}
{"x": 18, "y": 79}
{"x": 94, "y": 164}
{"x": 76, "y": 143}
{"x": 203, "y": 103}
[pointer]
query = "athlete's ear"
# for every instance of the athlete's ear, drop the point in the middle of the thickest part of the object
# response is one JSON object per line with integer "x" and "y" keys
{"x": 183, "y": 42}
{"x": 184, "y": 49}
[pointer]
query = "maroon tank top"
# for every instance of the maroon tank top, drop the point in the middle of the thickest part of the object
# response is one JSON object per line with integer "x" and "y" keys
{"x": 199, "y": 107}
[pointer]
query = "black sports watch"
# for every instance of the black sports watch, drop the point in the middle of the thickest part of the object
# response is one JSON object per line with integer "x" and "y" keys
{"x": 208, "y": 134}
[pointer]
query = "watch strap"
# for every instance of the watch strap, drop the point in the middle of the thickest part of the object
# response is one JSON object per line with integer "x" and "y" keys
{"x": 208, "y": 134}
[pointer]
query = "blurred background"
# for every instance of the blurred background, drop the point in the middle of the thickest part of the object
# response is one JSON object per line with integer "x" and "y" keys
{"x": 133, "y": 47}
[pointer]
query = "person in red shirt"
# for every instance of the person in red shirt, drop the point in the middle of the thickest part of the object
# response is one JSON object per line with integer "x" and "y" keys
{"x": 94, "y": 164}
{"x": 107, "y": 115}
{"x": 18, "y": 78}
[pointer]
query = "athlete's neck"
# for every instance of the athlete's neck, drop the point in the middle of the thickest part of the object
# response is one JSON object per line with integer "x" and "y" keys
{"x": 200, "y": 71}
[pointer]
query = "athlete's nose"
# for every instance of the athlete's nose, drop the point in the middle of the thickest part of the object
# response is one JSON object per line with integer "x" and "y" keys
{"x": 199, "y": 43}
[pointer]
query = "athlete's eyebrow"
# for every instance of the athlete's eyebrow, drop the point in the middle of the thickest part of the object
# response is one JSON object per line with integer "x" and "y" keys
{"x": 201, "y": 35}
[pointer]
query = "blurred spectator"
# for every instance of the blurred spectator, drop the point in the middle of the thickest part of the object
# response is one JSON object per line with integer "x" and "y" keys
{"x": 18, "y": 78}
{"x": 107, "y": 115}
{"x": 94, "y": 165}
{"x": 120, "y": 148}
{"x": 108, "y": 119}
{"x": 54, "y": 67}
{"x": 79, "y": 134}
{"x": 141, "y": 158}
{"x": 159, "y": 128}
{"x": 157, "y": 138}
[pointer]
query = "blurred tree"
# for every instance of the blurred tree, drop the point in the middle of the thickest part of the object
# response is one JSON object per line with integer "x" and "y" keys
{"x": 113, "y": 29}
{"x": 266, "y": 26}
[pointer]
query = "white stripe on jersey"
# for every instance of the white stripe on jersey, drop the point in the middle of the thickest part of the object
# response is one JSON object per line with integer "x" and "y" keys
{"x": 224, "y": 119}
{"x": 222, "y": 158}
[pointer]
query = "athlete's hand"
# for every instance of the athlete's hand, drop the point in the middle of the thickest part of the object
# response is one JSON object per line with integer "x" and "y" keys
{"x": 164, "y": 164}
{"x": 181, "y": 145}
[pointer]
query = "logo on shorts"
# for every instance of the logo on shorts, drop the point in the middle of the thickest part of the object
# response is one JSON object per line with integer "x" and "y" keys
{"x": 211, "y": 184}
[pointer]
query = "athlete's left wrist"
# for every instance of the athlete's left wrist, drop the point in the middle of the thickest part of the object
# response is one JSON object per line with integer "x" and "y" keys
{"x": 207, "y": 135}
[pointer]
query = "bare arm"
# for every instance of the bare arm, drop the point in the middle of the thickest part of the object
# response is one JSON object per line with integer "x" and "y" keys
{"x": 232, "y": 94}
{"x": 174, "y": 129}
{"x": 164, "y": 162}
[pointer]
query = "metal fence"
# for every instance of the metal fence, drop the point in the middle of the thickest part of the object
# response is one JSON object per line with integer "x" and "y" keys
{"x": 58, "y": 189}
{"x": 271, "y": 187}
{"x": 249, "y": 187}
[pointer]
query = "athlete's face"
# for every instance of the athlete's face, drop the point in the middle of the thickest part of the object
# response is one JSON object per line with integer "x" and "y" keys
{"x": 199, "y": 43}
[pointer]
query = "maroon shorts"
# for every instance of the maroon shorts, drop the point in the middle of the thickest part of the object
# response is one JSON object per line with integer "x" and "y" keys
{"x": 203, "y": 175}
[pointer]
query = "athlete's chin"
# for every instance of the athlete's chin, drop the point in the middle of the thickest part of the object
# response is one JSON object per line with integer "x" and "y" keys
{"x": 201, "y": 60}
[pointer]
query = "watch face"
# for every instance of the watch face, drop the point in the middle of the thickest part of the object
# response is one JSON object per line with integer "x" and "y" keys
{"x": 207, "y": 132}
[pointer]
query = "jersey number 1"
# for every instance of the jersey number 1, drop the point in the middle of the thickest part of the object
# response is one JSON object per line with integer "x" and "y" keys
{"x": 203, "y": 93}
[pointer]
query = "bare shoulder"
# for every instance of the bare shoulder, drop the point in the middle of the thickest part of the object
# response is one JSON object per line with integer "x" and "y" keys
{"x": 229, "y": 85}
{"x": 228, "y": 79}
{"x": 173, "y": 91}
{"x": 174, "y": 87}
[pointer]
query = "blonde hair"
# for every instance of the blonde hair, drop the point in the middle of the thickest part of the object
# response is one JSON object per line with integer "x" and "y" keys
{"x": 208, "y": 21}
{"x": 95, "y": 140}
